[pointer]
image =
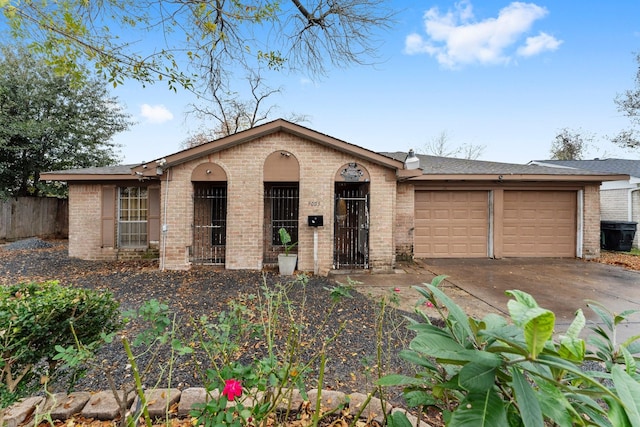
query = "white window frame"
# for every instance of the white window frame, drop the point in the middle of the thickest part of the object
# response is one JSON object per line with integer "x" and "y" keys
{"x": 133, "y": 217}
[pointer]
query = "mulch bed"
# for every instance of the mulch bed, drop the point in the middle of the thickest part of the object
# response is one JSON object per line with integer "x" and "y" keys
{"x": 351, "y": 364}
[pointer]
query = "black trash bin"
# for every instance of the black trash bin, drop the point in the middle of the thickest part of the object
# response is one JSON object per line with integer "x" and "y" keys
{"x": 617, "y": 235}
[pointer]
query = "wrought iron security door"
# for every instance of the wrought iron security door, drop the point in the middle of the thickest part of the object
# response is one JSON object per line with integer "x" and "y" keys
{"x": 281, "y": 207}
{"x": 351, "y": 226}
{"x": 209, "y": 224}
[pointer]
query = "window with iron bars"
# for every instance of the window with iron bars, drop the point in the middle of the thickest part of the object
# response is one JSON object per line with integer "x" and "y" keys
{"x": 281, "y": 211}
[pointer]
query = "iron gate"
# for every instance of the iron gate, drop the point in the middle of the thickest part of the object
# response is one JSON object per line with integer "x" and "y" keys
{"x": 351, "y": 226}
{"x": 280, "y": 210}
{"x": 209, "y": 224}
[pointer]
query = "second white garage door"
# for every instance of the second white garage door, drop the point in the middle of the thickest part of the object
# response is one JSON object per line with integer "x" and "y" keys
{"x": 451, "y": 224}
{"x": 539, "y": 224}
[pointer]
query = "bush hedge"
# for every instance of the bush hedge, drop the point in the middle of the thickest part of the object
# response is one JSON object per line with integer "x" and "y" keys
{"x": 37, "y": 318}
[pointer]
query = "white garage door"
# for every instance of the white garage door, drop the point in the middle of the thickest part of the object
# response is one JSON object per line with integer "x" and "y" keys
{"x": 539, "y": 224}
{"x": 451, "y": 224}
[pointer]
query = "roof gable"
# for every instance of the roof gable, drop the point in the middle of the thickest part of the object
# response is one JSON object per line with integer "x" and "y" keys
{"x": 279, "y": 125}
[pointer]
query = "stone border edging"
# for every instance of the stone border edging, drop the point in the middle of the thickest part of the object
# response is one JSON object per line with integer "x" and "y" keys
{"x": 103, "y": 405}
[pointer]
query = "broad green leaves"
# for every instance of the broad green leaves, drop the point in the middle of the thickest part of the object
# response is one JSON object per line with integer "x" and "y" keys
{"x": 512, "y": 372}
{"x": 480, "y": 410}
{"x": 538, "y": 323}
{"x": 527, "y": 402}
{"x": 629, "y": 391}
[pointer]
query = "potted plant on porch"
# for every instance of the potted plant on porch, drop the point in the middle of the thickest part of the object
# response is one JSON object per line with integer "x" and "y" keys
{"x": 286, "y": 261}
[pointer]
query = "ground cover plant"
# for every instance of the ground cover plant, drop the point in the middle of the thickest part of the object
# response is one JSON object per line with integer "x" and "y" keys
{"x": 512, "y": 372}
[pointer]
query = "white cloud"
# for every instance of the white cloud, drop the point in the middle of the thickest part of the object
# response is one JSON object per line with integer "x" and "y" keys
{"x": 455, "y": 38}
{"x": 538, "y": 44}
{"x": 305, "y": 81}
{"x": 156, "y": 113}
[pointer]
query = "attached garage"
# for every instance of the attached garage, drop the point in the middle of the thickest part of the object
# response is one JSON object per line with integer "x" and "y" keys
{"x": 471, "y": 224}
{"x": 539, "y": 224}
{"x": 451, "y": 224}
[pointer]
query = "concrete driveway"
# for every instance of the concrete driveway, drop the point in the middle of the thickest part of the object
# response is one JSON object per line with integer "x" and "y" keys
{"x": 479, "y": 285}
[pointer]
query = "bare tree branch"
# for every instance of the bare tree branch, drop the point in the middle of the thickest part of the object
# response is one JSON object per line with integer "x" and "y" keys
{"x": 442, "y": 146}
{"x": 629, "y": 104}
{"x": 198, "y": 39}
{"x": 233, "y": 114}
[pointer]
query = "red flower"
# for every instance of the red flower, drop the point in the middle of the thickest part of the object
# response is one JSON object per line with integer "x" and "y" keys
{"x": 232, "y": 389}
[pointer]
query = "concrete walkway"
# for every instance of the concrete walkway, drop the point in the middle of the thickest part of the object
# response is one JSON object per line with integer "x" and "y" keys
{"x": 479, "y": 285}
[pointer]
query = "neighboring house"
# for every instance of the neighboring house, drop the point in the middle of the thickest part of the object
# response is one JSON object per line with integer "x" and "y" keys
{"x": 223, "y": 203}
{"x": 619, "y": 199}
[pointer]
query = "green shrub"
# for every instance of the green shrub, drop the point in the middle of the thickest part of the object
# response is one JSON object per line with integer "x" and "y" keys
{"x": 512, "y": 372}
{"x": 37, "y": 319}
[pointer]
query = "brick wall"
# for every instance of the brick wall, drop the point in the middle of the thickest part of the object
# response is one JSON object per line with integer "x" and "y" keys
{"x": 85, "y": 239}
{"x": 591, "y": 222}
{"x": 404, "y": 230}
{"x": 86, "y": 228}
{"x": 243, "y": 165}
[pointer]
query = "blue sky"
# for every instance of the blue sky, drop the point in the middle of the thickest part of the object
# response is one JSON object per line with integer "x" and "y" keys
{"x": 503, "y": 75}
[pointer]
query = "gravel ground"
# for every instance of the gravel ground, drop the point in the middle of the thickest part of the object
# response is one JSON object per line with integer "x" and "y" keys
{"x": 207, "y": 291}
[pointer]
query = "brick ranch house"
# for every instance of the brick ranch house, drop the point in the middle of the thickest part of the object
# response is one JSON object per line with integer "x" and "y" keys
{"x": 222, "y": 203}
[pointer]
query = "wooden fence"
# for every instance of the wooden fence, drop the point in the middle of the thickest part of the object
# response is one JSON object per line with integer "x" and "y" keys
{"x": 25, "y": 217}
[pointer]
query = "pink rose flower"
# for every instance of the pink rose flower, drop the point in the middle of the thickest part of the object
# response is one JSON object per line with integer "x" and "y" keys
{"x": 232, "y": 389}
{"x": 397, "y": 289}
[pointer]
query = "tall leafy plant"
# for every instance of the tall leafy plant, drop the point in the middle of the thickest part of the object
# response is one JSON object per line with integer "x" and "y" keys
{"x": 285, "y": 239}
{"x": 511, "y": 371}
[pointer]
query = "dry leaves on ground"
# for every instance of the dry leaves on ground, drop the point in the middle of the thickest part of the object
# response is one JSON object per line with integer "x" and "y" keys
{"x": 623, "y": 259}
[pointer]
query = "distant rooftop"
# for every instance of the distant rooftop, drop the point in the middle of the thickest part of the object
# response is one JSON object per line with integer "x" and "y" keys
{"x": 434, "y": 165}
{"x": 622, "y": 166}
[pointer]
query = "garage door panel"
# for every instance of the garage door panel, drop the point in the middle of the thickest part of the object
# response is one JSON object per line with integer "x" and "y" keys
{"x": 441, "y": 214}
{"x": 478, "y": 247}
{"x": 460, "y": 214}
{"x": 464, "y": 232}
{"x": 478, "y": 232}
{"x": 478, "y": 215}
{"x": 539, "y": 224}
{"x": 451, "y": 224}
{"x": 510, "y": 214}
{"x": 441, "y": 231}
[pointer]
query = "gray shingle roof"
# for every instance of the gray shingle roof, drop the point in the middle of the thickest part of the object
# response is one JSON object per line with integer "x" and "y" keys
{"x": 104, "y": 170}
{"x": 621, "y": 166}
{"x": 434, "y": 165}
